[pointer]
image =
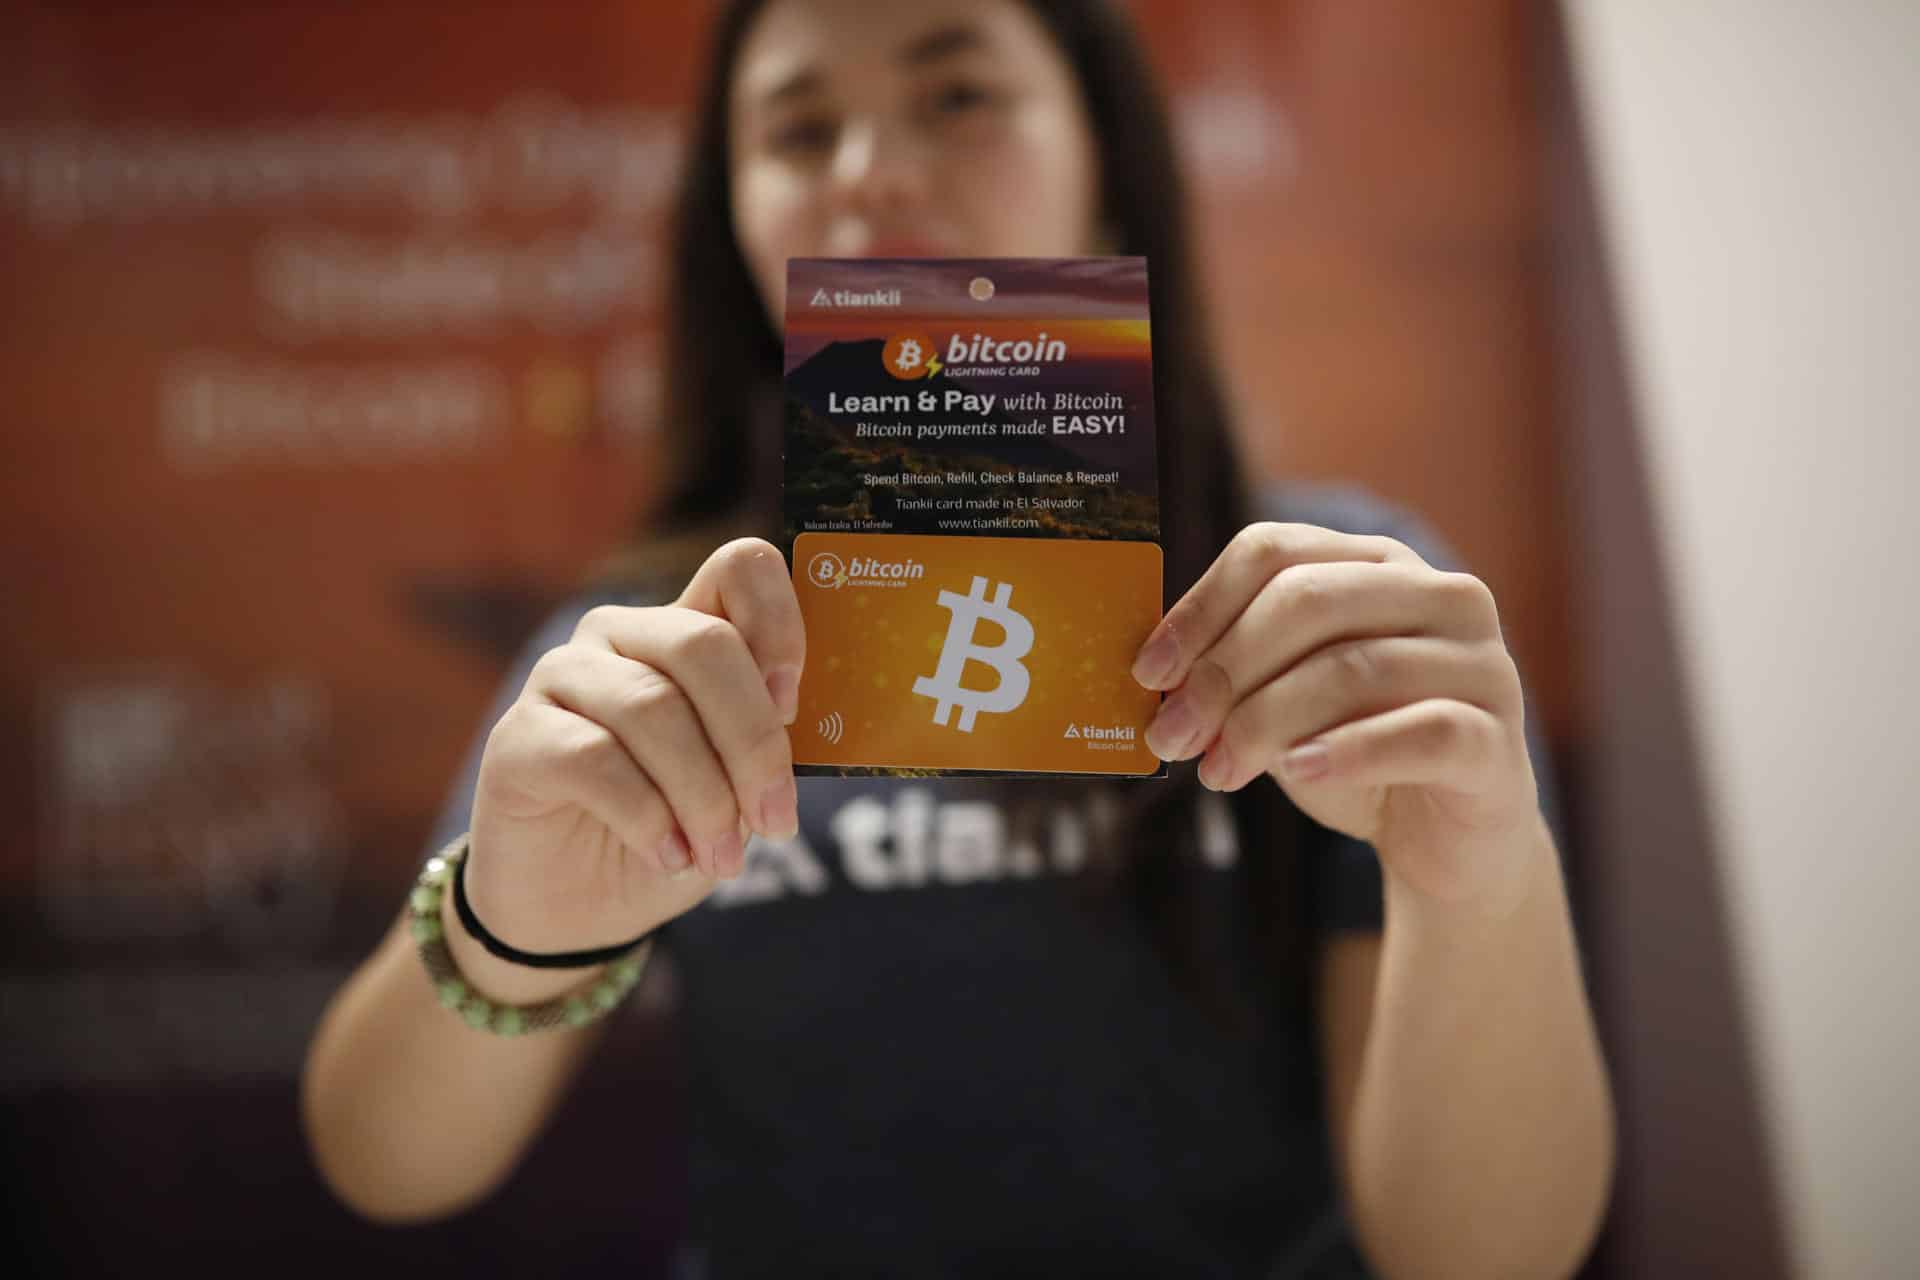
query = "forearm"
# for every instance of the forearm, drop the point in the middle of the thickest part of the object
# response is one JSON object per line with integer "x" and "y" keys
{"x": 412, "y": 1114}
{"x": 1481, "y": 1139}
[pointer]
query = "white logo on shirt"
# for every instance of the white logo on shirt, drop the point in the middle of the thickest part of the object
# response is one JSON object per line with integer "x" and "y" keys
{"x": 917, "y": 842}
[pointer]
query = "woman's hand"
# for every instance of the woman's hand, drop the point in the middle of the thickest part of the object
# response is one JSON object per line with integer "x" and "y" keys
{"x": 1374, "y": 688}
{"x": 623, "y": 781}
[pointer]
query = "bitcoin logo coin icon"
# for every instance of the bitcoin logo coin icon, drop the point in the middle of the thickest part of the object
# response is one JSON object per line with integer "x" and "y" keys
{"x": 910, "y": 355}
{"x": 944, "y": 686}
{"x": 826, "y": 570}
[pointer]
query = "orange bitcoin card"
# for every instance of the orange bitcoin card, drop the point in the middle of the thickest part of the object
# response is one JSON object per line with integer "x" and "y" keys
{"x": 974, "y": 654}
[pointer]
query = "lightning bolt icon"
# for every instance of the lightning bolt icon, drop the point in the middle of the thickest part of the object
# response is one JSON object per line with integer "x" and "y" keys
{"x": 933, "y": 365}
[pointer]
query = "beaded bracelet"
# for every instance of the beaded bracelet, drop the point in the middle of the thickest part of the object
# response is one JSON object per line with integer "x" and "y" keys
{"x": 575, "y": 1009}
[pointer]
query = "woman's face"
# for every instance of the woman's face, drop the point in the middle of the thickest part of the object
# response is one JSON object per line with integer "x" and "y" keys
{"x": 906, "y": 128}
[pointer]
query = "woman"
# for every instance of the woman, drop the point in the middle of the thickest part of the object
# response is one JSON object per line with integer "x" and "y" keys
{"x": 954, "y": 1027}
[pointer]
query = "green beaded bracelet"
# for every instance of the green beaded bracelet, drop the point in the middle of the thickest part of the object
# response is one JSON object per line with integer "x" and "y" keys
{"x": 574, "y": 1009}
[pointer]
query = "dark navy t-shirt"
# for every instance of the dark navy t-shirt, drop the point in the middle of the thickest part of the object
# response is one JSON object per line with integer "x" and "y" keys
{"x": 915, "y": 1045}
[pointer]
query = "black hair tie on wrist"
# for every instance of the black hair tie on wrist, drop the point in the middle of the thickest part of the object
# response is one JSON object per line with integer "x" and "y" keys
{"x": 550, "y": 960}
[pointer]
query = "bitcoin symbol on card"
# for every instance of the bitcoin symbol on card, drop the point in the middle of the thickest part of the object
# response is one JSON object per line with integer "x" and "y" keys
{"x": 909, "y": 356}
{"x": 944, "y": 686}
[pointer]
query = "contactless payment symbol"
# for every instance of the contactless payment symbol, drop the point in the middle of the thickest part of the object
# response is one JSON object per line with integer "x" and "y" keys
{"x": 910, "y": 355}
{"x": 944, "y": 686}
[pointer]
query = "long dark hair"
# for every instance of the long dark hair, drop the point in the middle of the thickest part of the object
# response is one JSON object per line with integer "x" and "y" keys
{"x": 723, "y": 362}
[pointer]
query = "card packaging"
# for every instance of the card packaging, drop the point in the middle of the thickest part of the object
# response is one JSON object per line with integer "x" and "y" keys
{"x": 972, "y": 514}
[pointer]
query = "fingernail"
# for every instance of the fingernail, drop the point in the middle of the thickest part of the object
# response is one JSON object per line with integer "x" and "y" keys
{"x": 780, "y": 809}
{"x": 728, "y": 855}
{"x": 1304, "y": 764}
{"x": 1157, "y": 660}
{"x": 783, "y": 684}
{"x": 674, "y": 853}
{"x": 1168, "y": 734}
{"x": 1216, "y": 771}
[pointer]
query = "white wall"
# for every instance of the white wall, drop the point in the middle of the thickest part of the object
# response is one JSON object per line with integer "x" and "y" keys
{"x": 1758, "y": 166}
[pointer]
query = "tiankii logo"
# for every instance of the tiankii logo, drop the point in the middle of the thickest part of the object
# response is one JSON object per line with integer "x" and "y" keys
{"x": 850, "y": 298}
{"x": 1098, "y": 733}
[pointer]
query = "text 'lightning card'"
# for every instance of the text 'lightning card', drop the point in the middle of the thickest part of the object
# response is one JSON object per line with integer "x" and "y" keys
{"x": 972, "y": 513}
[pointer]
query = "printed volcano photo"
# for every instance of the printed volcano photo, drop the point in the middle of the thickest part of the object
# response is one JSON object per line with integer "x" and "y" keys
{"x": 827, "y": 456}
